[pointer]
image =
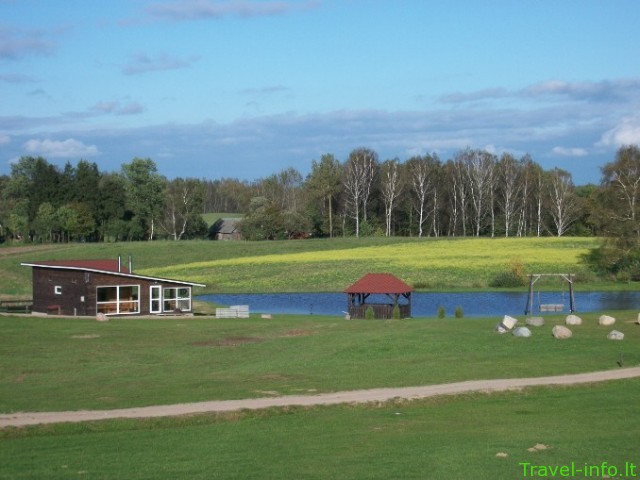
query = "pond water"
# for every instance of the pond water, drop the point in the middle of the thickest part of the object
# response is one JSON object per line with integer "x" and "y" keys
{"x": 426, "y": 304}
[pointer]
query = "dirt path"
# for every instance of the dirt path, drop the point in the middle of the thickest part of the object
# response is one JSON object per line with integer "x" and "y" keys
{"x": 355, "y": 396}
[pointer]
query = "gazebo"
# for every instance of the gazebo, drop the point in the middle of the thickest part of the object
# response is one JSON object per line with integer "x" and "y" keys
{"x": 395, "y": 290}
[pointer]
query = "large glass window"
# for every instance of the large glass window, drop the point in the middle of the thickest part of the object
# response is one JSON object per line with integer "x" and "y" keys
{"x": 177, "y": 298}
{"x": 118, "y": 299}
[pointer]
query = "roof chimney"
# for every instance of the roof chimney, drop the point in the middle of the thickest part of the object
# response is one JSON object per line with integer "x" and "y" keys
{"x": 130, "y": 264}
{"x": 119, "y": 264}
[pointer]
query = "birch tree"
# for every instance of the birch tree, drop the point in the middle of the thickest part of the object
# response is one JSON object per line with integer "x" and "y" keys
{"x": 510, "y": 188}
{"x": 478, "y": 168}
{"x": 391, "y": 189}
{"x": 622, "y": 179}
{"x": 562, "y": 200}
{"x": 183, "y": 200}
{"x": 359, "y": 173}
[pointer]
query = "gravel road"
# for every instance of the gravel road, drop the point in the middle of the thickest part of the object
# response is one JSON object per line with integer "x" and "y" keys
{"x": 355, "y": 396}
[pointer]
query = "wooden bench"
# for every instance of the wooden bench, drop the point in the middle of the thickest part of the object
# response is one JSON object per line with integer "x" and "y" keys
{"x": 17, "y": 306}
{"x": 551, "y": 307}
{"x": 235, "y": 311}
{"x": 54, "y": 309}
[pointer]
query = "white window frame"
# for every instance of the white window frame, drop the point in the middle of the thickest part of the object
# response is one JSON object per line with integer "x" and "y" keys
{"x": 158, "y": 289}
{"x": 118, "y": 301}
{"x": 169, "y": 303}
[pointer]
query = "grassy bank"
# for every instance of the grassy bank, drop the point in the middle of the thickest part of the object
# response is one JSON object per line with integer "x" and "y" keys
{"x": 323, "y": 265}
{"x": 448, "y": 437}
{"x": 70, "y": 364}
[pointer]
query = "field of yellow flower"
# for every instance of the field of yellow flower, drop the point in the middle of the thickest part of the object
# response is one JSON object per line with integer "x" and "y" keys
{"x": 424, "y": 263}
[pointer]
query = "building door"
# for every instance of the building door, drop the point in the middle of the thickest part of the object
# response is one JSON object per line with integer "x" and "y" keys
{"x": 155, "y": 294}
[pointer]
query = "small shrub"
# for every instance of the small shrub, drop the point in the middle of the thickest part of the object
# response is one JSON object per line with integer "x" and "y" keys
{"x": 369, "y": 314}
{"x": 421, "y": 285}
{"x": 459, "y": 313}
{"x": 513, "y": 277}
{"x": 441, "y": 312}
{"x": 395, "y": 314}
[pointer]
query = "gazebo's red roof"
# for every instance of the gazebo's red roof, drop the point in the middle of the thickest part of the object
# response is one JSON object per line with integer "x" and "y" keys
{"x": 379, "y": 283}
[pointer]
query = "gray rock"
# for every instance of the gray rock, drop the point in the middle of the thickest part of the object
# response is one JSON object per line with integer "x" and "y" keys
{"x": 615, "y": 335}
{"x": 535, "y": 321}
{"x": 606, "y": 320}
{"x": 506, "y": 325}
{"x": 573, "y": 320}
{"x": 560, "y": 332}
{"x": 523, "y": 332}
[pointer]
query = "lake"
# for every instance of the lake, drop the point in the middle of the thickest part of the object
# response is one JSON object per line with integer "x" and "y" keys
{"x": 426, "y": 304}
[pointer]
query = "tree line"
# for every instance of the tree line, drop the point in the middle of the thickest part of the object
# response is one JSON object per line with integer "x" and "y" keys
{"x": 475, "y": 193}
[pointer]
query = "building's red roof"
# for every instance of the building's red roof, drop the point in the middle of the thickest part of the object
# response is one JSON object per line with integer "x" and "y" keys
{"x": 379, "y": 283}
{"x": 101, "y": 265}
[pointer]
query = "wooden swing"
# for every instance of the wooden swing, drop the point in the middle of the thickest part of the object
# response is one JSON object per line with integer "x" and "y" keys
{"x": 550, "y": 307}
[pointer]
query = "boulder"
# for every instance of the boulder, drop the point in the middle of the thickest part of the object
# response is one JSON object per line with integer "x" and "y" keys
{"x": 560, "y": 332}
{"x": 101, "y": 317}
{"x": 615, "y": 335}
{"x": 523, "y": 332}
{"x": 535, "y": 321}
{"x": 638, "y": 321}
{"x": 573, "y": 320}
{"x": 506, "y": 325}
{"x": 606, "y": 320}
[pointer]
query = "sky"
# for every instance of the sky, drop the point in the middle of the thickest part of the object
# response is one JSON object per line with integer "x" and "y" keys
{"x": 246, "y": 88}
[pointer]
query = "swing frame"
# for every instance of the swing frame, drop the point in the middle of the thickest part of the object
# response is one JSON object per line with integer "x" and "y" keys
{"x": 534, "y": 277}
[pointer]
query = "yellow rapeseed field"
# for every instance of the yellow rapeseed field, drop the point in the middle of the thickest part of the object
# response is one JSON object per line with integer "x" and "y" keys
{"x": 431, "y": 263}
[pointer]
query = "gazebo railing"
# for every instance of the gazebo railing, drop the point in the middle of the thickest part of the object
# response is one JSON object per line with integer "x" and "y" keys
{"x": 380, "y": 310}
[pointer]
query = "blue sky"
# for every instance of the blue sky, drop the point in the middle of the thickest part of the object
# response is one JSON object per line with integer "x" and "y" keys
{"x": 244, "y": 89}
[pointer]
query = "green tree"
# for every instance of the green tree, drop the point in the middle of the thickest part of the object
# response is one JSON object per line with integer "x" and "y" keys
{"x": 46, "y": 222}
{"x": 35, "y": 180}
{"x": 145, "y": 194}
{"x": 111, "y": 207}
{"x": 183, "y": 204}
{"x": 619, "y": 254}
{"x": 324, "y": 185}
{"x": 263, "y": 221}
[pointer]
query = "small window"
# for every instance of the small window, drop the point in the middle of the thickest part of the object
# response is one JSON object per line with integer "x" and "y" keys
{"x": 57, "y": 290}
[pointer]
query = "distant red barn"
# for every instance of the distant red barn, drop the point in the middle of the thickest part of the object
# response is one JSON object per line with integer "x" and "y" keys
{"x": 90, "y": 287}
{"x": 395, "y": 290}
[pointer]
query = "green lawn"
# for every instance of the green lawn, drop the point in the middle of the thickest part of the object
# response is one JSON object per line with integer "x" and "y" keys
{"x": 454, "y": 437}
{"x": 69, "y": 364}
{"x": 78, "y": 363}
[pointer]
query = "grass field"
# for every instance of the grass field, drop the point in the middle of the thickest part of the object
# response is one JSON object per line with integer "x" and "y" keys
{"x": 323, "y": 265}
{"x": 439, "y": 438}
{"x": 78, "y": 363}
{"x": 70, "y": 364}
{"x": 60, "y": 364}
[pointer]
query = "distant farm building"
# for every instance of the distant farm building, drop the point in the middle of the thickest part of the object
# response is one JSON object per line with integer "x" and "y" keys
{"x": 92, "y": 287}
{"x": 382, "y": 285}
{"x": 225, "y": 229}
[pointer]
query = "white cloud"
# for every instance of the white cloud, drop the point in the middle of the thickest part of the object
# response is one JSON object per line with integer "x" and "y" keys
{"x": 117, "y": 108}
{"x": 4, "y": 139}
{"x": 625, "y": 133}
{"x": 68, "y": 148}
{"x": 180, "y": 10}
{"x": 143, "y": 63}
{"x": 15, "y": 44}
{"x": 570, "y": 152}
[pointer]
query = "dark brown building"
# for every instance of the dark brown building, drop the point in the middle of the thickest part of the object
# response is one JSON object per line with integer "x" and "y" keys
{"x": 91, "y": 287}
